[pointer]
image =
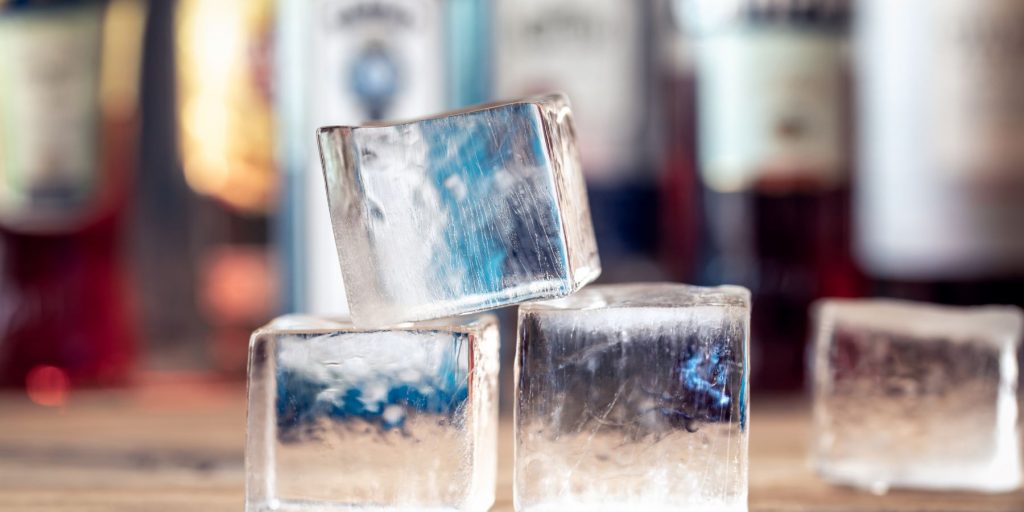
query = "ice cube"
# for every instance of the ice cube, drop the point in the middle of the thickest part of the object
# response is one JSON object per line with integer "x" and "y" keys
{"x": 633, "y": 397}
{"x": 914, "y": 395}
{"x": 459, "y": 213}
{"x": 347, "y": 419}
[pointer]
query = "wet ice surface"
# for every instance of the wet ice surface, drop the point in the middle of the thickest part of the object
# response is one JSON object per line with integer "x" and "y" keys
{"x": 917, "y": 396}
{"x": 459, "y": 213}
{"x": 632, "y": 397}
{"x": 397, "y": 420}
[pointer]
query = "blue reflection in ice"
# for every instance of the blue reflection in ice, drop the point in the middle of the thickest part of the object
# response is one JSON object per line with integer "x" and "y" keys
{"x": 488, "y": 168}
{"x": 383, "y": 398}
{"x": 705, "y": 374}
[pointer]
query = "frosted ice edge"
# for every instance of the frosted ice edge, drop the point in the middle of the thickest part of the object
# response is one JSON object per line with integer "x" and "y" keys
{"x": 578, "y": 230}
{"x": 459, "y": 213}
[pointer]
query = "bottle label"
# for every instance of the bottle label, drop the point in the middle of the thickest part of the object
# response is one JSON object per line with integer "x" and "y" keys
{"x": 49, "y": 117}
{"x": 979, "y": 89}
{"x": 771, "y": 97}
{"x": 941, "y": 179}
{"x": 593, "y": 51}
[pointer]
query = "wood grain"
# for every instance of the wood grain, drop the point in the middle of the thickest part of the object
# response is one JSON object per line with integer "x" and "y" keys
{"x": 176, "y": 443}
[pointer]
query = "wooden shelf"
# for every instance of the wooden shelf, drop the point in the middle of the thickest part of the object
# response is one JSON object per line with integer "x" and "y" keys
{"x": 176, "y": 443}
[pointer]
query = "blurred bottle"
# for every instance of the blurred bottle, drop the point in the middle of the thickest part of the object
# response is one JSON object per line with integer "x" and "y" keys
{"x": 597, "y": 52}
{"x": 773, "y": 130}
{"x": 679, "y": 187}
{"x": 940, "y": 194}
{"x": 226, "y": 126}
{"x": 69, "y": 74}
{"x": 351, "y": 61}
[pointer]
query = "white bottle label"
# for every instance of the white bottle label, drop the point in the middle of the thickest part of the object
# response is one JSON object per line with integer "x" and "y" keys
{"x": 978, "y": 93}
{"x": 378, "y": 59}
{"x": 49, "y": 117}
{"x": 592, "y": 50}
{"x": 771, "y": 101}
{"x": 367, "y": 60}
{"x": 941, "y": 177}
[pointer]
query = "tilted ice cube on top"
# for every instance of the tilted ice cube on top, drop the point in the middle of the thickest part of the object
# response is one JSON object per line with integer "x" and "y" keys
{"x": 633, "y": 397}
{"x": 458, "y": 213}
{"x": 917, "y": 395}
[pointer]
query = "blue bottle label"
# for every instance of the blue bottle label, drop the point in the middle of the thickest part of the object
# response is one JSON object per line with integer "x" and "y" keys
{"x": 374, "y": 60}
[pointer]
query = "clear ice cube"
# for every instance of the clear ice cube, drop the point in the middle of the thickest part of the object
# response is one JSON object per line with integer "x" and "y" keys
{"x": 633, "y": 397}
{"x": 459, "y": 213}
{"x": 914, "y": 395}
{"x": 347, "y": 419}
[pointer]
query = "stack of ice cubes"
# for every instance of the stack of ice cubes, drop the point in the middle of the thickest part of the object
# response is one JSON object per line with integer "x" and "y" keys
{"x": 628, "y": 397}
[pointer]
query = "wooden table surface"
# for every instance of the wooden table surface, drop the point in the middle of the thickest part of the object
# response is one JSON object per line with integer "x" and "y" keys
{"x": 176, "y": 444}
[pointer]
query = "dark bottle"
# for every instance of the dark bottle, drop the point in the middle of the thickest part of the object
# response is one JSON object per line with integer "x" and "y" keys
{"x": 68, "y": 119}
{"x": 940, "y": 188}
{"x": 224, "y": 63}
{"x": 679, "y": 187}
{"x": 773, "y": 145}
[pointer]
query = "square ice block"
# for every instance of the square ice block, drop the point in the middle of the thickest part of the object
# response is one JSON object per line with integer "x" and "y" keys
{"x": 342, "y": 418}
{"x": 915, "y": 395}
{"x": 633, "y": 397}
{"x": 458, "y": 213}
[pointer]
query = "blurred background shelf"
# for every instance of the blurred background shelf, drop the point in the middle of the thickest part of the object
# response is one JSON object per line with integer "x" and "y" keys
{"x": 160, "y": 196}
{"x": 175, "y": 442}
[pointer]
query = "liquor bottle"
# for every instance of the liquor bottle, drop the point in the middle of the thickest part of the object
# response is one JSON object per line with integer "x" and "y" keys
{"x": 679, "y": 190}
{"x": 773, "y": 131}
{"x": 226, "y": 127}
{"x": 69, "y": 74}
{"x": 940, "y": 189}
{"x": 598, "y": 52}
{"x": 348, "y": 62}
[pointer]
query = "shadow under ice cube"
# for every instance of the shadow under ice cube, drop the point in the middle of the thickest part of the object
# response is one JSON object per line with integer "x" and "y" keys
{"x": 459, "y": 213}
{"x": 346, "y": 419}
{"x": 633, "y": 397}
{"x": 915, "y": 395}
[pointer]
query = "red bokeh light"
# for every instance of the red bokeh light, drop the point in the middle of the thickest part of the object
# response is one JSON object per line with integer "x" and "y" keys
{"x": 47, "y": 385}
